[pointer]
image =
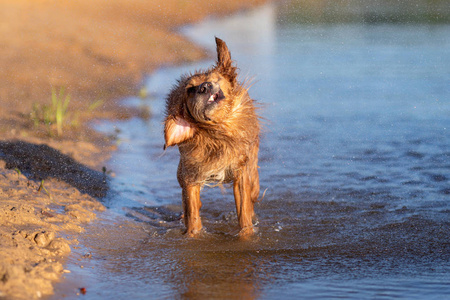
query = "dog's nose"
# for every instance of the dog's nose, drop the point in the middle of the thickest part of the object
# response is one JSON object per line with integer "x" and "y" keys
{"x": 205, "y": 87}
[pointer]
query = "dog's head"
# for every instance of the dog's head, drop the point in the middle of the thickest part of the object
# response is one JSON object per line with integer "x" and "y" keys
{"x": 202, "y": 99}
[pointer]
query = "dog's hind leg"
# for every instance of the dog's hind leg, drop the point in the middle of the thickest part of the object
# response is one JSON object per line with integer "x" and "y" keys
{"x": 254, "y": 179}
{"x": 243, "y": 198}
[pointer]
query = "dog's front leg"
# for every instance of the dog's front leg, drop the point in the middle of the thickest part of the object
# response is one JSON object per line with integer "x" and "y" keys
{"x": 191, "y": 208}
{"x": 244, "y": 203}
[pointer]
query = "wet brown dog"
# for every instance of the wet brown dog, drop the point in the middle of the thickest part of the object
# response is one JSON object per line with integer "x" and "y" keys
{"x": 212, "y": 119}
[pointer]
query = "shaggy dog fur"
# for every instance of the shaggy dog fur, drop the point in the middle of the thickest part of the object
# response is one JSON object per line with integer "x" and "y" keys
{"x": 212, "y": 119}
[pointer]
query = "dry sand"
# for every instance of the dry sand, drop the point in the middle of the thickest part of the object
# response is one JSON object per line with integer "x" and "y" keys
{"x": 98, "y": 51}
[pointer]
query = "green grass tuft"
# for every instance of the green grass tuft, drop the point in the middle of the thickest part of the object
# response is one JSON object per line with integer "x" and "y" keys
{"x": 54, "y": 114}
{"x": 60, "y": 103}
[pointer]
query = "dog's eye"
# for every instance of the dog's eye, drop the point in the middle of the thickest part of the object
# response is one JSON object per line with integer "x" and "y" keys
{"x": 191, "y": 90}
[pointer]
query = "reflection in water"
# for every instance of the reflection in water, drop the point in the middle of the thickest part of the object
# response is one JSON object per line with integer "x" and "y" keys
{"x": 231, "y": 273}
{"x": 354, "y": 157}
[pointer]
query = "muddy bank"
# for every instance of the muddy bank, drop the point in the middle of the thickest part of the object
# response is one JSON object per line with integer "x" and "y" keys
{"x": 35, "y": 216}
{"x": 51, "y": 181}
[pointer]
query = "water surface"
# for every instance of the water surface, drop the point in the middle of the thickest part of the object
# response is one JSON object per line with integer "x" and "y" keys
{"x": 355, "y": 157}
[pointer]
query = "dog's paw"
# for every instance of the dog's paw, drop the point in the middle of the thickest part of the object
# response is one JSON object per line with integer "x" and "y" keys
{"x": 247, "y": 233}
{"x": 195, "y": 232}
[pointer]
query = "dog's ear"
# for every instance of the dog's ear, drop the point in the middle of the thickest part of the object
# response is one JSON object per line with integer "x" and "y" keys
{"x": 177, "y": 130}
{"x": 224, "y": 62}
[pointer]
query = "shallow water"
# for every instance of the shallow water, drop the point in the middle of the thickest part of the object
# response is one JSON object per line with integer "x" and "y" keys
{"x": 355, "y": 157}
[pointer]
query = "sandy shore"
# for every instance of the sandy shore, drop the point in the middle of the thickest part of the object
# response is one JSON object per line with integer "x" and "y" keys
{"x": 51, "y": 179}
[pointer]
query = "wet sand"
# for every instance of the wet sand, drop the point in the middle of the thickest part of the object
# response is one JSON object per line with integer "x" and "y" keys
{"x": 51, "y": 182}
